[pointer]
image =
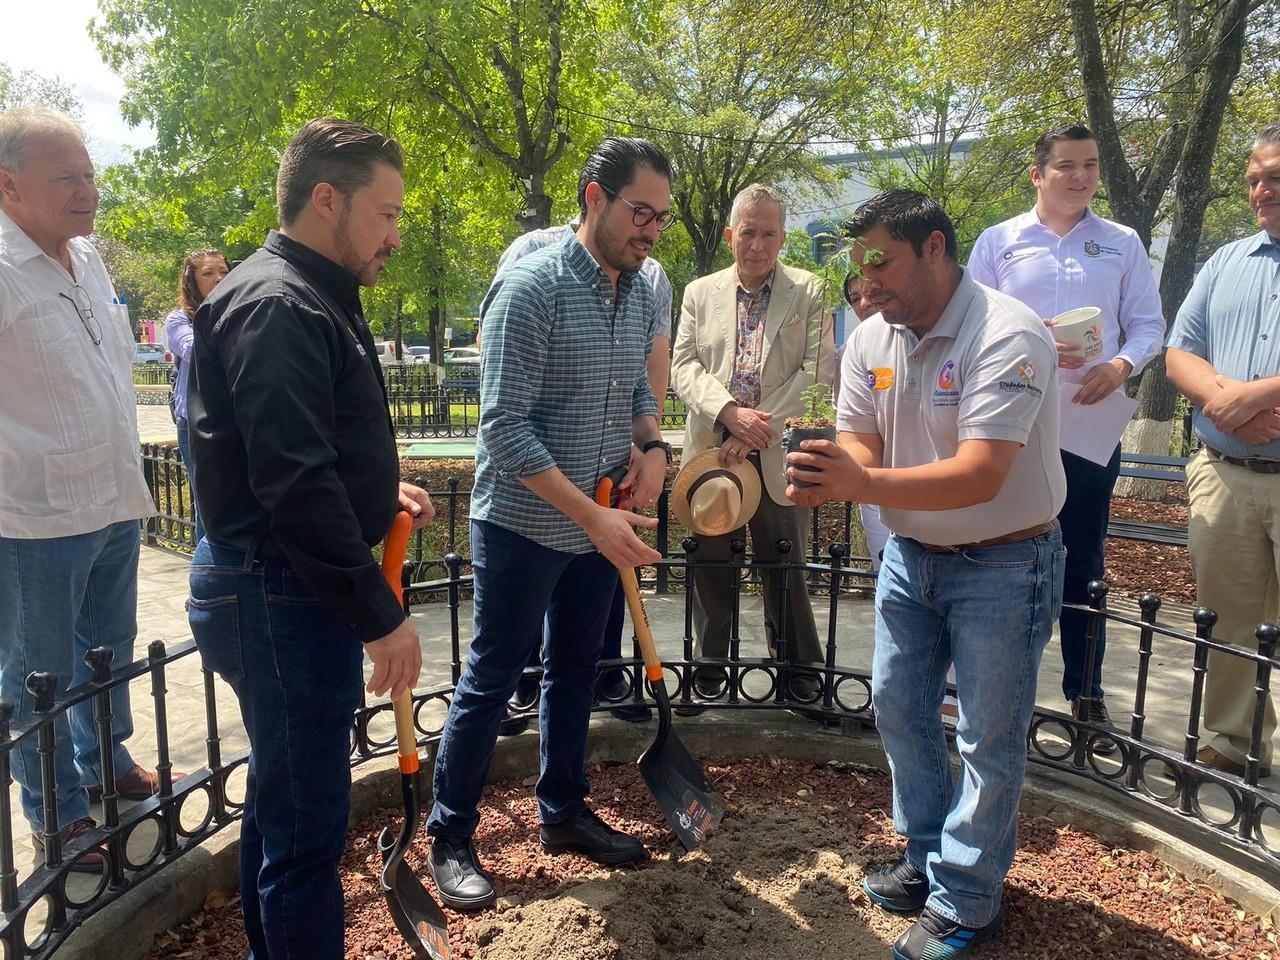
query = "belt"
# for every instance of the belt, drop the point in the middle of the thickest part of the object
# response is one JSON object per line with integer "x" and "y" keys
{"x": 1016, "y": 537}
{"x": 253, "y": 547}
{"x": 1249, "y": 463}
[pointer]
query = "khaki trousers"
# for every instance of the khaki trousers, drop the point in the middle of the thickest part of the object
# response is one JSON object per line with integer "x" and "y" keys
{"x": 1235, "y": 552}
{"x": 712, "y": 610}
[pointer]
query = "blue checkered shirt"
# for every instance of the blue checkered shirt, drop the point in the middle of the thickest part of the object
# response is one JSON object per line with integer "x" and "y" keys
{"x": 562, "y": 376}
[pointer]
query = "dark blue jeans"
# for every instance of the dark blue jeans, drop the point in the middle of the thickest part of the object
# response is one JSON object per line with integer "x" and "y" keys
{"x": 296, "y": 672}
{"x": 184, "y": 449}
{"x": 612, "y": 650}
{"x": 517, "y": 584}
{"x": 1084, "y": 533}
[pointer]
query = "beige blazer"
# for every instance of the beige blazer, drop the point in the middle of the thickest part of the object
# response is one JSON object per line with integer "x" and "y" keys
{"x": 707, "y": 343}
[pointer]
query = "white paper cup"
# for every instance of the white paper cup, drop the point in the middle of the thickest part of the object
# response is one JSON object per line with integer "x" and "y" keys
{"x": 1080, "y": 328}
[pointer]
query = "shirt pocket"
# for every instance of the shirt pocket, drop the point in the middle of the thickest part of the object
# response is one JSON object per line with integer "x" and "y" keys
{"x": 50, "y": 345}
{"x": 83, "y": 478}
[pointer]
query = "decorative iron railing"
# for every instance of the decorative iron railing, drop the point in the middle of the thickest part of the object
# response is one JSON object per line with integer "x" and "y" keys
{"x": 41, "y": 907}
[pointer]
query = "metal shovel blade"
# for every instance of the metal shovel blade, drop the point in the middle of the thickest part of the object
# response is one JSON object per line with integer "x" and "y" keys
{"x": 416, "y": 914}
{"x": 680, "y": 787}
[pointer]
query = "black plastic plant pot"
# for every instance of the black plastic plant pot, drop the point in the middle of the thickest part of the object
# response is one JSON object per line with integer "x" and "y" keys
{"x": 792, "y": 437}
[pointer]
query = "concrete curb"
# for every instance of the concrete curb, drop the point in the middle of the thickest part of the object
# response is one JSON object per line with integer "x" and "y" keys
{"x": 128, "y": 928}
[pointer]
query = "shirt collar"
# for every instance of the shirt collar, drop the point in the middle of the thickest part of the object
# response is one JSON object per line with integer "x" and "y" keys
{"x": 334, "y": 277}
{"x": 766, "y": 286}
{"x": 16, "y": 242}
{"x": 957, "y": 308}
{"x": 1264, "y": 242}
{"x": 585, "y": 267}
{"x": 1031, "y": 221}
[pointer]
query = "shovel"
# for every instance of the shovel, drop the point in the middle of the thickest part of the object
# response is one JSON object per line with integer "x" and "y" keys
{"x": 674, "y": 778}
{"x": 418, "y": 917}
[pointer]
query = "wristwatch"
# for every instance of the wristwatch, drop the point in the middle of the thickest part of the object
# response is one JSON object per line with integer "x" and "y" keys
{"x": 655, "y": 444}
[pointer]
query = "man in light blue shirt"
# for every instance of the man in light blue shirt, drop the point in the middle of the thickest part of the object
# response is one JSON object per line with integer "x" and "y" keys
{"x": 1058, "y": 256}
{"x": 1224, "y": 355}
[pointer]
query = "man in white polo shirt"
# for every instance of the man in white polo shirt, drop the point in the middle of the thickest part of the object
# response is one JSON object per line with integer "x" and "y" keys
{"x": 1056, "y": 257}
{"x": 948, "y": 419}
{"x": 71, "y": 486}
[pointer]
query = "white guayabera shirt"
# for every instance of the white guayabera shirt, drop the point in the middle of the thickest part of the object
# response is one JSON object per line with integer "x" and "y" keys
{"x": 69, "y": 455}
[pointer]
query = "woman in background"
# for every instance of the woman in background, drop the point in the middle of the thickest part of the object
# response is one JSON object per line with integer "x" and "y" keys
{"x": 201, "y": 272}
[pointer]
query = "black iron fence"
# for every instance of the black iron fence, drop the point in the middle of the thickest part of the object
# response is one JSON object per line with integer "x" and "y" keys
{"x": 43, "y": 903}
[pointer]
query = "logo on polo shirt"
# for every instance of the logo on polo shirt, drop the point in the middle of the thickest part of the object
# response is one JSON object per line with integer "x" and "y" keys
{"x": 880, "y": 378}
{"x": 947, "y": 392}
{"x": 1026, "y": 382}
{"x": 1092, "y": 248}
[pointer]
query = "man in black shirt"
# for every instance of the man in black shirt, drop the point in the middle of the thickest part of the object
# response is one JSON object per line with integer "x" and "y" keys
{"x": 300, "y": 478}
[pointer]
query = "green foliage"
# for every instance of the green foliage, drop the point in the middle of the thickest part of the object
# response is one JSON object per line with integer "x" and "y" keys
{"x": 733, "y": 99}
{"x": 817, "y": 402}
{"x": 27, "y": 88}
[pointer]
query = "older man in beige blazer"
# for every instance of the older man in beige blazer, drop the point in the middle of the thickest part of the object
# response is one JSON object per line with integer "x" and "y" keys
{"x": 752, "y": 338}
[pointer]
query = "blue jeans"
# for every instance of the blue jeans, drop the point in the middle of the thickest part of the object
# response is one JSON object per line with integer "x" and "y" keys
{"x": 990, "y": 611}
{"x": 517, "y": 583}
{"x": 58, "y": 598}
{"x": 296, "y": 671}
{"x": 184, "y": 449}
{"x": 1084, "y": 520}
{"x": 611, "y": 650}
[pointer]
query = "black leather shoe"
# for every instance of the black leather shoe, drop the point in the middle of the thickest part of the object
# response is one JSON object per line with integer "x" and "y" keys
{"x": 706, "y": 688}
{"x": 622, "y": 706}
{"x": 1099, "y": 714}
{"x": 590, "y": 836}
{"x": 517, "y": 722}
{"x": 460, "y": 883}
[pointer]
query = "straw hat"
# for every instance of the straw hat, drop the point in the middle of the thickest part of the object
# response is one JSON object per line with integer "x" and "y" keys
{"x": 712, "y": 500}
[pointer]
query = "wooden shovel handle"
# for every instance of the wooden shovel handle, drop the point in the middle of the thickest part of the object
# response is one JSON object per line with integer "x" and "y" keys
{"x": 393, "y": 552}
{"x": 631, "y": 587}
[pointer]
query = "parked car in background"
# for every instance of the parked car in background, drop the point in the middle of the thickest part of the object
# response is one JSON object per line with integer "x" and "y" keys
{"x": 417, "y": 354}
{"x": 151, "y": 353}
{"x": 462, "y": 355}
{"x": 386, "y": 351}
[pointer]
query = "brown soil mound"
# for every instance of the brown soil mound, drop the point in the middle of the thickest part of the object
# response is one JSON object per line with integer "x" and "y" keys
{"x": 764, "y": 884}
{"x": 780, "y": 878}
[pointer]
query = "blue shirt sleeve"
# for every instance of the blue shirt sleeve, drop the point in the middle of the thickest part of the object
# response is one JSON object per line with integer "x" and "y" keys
{"x": 517, "y": 321}
{"x": 1190, "y": 331}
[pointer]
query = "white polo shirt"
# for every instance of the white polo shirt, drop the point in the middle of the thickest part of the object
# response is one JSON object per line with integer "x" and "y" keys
{"x": 69, "y": 456}
{"x": 986, "y": 371}
{"x": 1097, "y": 264}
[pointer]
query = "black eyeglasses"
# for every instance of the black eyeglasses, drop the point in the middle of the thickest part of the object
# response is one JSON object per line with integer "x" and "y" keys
{"x": 84, "y": 310}
{"x": 642, "y": 214}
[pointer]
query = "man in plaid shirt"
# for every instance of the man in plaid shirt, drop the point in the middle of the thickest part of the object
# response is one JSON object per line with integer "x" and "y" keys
{"x": 563, "y": 396}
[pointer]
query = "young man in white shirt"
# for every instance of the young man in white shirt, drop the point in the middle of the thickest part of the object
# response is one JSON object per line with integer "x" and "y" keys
{"x": 73, "y": 490}
{"x": 1056, "y": 257}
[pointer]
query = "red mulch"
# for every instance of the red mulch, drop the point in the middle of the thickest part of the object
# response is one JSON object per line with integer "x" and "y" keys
{"x": 1069, "y": 895}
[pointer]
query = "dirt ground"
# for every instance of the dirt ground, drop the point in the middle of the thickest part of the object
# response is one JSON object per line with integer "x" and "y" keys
{"x": 781, "y": 878}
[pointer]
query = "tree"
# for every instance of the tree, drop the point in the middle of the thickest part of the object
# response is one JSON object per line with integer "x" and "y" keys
{"x": 31, "y": 89}
{"x": 490, "y": 79}
{"x": 734, "y": 100}
{"x": 1204, "y": 55}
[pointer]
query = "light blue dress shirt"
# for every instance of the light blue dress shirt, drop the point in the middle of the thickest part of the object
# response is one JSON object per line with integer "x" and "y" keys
{"x": 1231, "y": 318}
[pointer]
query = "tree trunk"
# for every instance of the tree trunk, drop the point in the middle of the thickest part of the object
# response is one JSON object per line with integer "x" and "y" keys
{"x": 436, "y": 315}
{"x": 400, "y": 328}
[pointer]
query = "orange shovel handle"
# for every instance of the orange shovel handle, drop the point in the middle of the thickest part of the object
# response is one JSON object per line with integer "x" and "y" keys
{"x": 393, "y": 552}
{"x": 631, "y": 587}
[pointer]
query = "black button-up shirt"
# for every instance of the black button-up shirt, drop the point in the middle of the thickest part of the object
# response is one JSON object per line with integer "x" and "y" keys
{"x": 293, "y": 446}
